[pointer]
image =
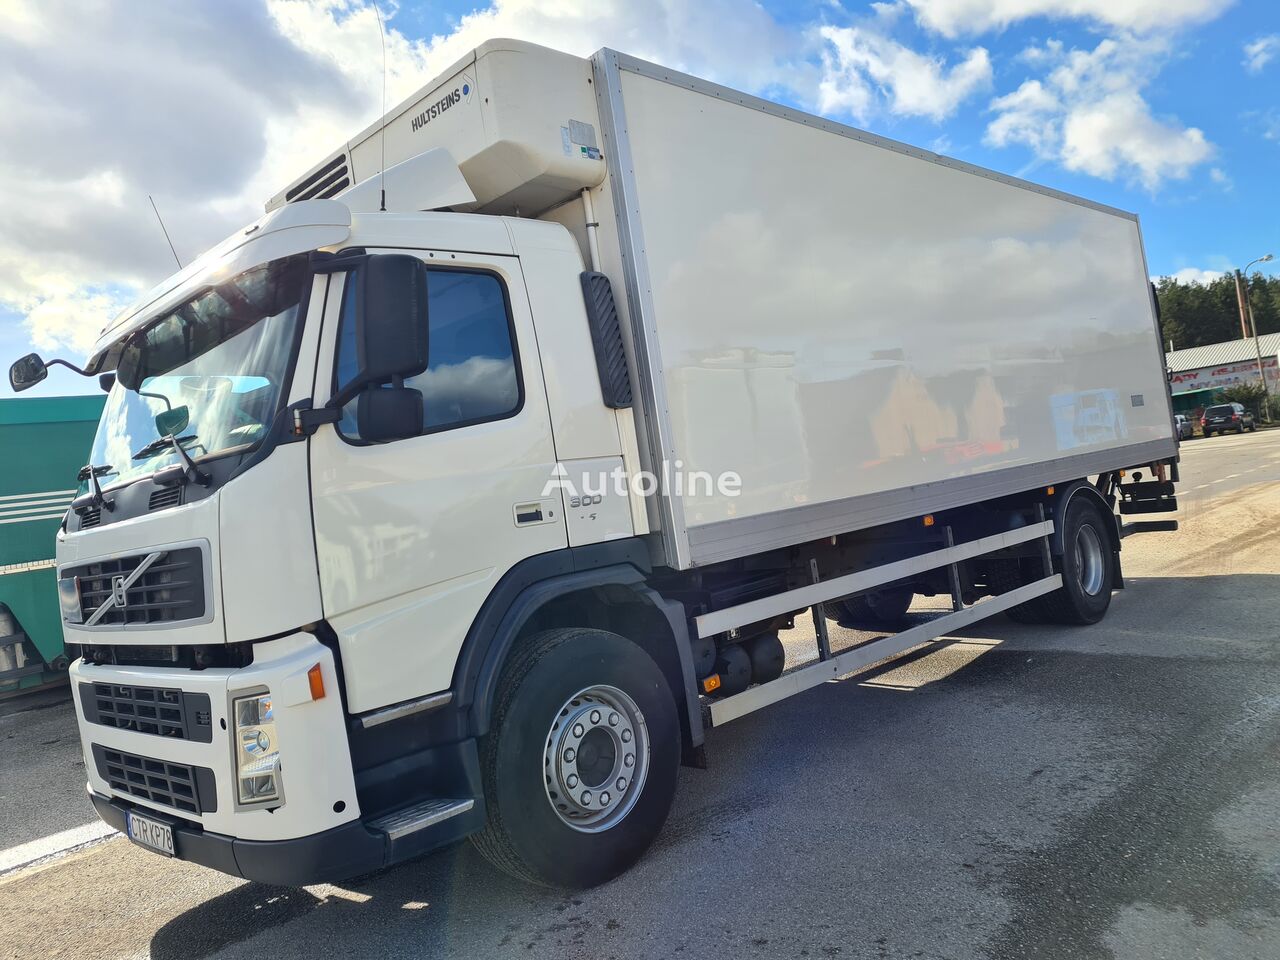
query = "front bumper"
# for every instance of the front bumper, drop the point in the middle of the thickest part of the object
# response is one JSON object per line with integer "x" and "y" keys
{"x": 318, "y": 832}
{"x": 345, "y": 851}
{"x": 196, "y": 751}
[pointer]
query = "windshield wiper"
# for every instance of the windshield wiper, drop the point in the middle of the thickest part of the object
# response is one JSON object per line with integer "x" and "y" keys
{"x": 95, "y": 497}
{"x": 160, "y": 443}
{"x": 184, "y": 472}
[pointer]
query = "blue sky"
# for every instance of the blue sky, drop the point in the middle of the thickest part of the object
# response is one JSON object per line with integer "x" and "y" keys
{"x": 1170, "y": 108}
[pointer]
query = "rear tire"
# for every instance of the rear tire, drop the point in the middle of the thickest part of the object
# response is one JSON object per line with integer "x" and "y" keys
{"x": 1087, "y": 567}
{"x": 574, "y": 796}
{"x": 1006, "y": 575}
{"x": 882, "y": 609}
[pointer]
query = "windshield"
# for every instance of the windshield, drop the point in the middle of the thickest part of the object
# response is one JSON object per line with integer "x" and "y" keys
{"x": 210, "y": 373}
{"x": 1219, "y": 411}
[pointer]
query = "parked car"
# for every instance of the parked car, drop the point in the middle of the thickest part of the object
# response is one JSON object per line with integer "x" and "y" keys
{"x": 1226, "y": 418}
{"x": 1186, "y": 430}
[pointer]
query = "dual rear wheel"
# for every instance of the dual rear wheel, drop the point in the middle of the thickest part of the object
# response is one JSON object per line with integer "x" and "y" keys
{"x": 1087, "y": 565}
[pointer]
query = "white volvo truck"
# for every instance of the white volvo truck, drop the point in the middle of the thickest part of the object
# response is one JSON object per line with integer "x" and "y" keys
{"x": 465, "y": 491}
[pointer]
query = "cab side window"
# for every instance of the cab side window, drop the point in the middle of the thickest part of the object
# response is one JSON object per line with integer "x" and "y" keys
{"x": 474, "y": 373}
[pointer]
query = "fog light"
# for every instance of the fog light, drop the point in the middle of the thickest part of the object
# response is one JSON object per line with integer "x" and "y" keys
{"x": 257, "y": 750}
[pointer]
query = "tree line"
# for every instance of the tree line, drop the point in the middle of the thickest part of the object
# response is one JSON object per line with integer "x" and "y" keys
{"x": 1196, "y": 314}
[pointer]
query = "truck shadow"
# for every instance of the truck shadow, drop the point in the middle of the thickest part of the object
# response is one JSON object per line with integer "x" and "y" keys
{"x": 983, "y": 769}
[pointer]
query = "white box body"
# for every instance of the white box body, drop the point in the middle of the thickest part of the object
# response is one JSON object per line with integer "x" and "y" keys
{"x": 859, "y": 330}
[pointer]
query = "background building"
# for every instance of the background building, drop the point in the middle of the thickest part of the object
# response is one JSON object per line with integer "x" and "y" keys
{"x": 1198, "y": 373}
{"x": 44, "y": 441}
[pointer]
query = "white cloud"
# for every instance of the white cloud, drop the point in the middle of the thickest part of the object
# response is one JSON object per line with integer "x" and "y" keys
{"x": 1261, "y": 52}
{"x": 859, "y": 62}
{"x": 213, "y": 108}
{"x": 969, "y": 17}
{"x": 1088, "y": 114}
{"x": 1196, "y": 275}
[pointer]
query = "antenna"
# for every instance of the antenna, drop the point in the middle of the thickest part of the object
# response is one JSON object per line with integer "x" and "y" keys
{"x": 382, "y": 133}
{"x": 165, "y": 232}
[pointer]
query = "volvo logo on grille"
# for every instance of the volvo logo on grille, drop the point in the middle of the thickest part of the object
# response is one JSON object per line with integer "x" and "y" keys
{"x": 120, "y": 584}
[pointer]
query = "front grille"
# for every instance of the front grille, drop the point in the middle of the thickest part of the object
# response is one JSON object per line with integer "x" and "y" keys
{"x": 175, "y": 785}
{"x": 328, "y": 181}
{"x": 160, "y": 711}
{"x": 170, "y": 590}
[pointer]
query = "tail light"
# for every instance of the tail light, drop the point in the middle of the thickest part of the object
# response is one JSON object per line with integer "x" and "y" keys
{"x": 1235, "y": 416}
{"x": 1204, "y": 421}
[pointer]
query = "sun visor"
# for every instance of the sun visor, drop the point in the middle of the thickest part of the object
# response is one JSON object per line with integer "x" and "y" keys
{"x": 293, "y": 228}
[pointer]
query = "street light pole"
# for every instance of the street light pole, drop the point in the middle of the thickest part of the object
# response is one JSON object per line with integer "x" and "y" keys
{"x": 1246, "y": 314}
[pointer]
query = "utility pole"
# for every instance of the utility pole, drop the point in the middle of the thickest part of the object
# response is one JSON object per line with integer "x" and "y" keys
{"x": 1246, "y": 314}
{"x": 1240, "y": 304}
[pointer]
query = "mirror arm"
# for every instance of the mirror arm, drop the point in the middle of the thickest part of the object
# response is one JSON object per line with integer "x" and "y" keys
{"x": 307, "y": 420}
{"x": 70, "y": 366}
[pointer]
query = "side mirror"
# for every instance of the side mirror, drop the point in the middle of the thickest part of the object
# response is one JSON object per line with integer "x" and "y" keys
{"x": 391, "y": 319}
{"x": 389, "y": 413}
{"x": 106, "y": 381}
{"x": 172, "y": 422}
{"x": 26, "y": 372}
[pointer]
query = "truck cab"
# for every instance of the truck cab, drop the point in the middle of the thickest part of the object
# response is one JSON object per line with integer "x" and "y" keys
{"x": 234, "y": 613}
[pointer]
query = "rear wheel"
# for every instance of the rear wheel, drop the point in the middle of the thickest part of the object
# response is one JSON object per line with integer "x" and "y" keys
{"x": 883, "y": 609}
{"x": 1006, "y": 575}
{"x": 1086, "y": 565}
{"x": 580, "y": 765}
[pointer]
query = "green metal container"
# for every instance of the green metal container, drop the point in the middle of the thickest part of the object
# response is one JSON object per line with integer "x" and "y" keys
{"x": 44, "y": 441}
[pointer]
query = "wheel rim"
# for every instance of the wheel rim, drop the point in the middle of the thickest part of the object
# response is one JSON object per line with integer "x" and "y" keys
{"x": 596, "y": 758}
{"x": 1090, "y": 560}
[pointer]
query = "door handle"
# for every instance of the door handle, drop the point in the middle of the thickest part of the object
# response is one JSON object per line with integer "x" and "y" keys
{"x": 533, "y": 512}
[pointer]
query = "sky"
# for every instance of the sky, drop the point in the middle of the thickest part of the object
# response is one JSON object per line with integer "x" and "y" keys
{"x": 1167, "y": 108}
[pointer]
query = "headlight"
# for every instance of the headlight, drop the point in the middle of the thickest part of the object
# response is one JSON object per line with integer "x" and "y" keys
{"x": 257, "y": 750}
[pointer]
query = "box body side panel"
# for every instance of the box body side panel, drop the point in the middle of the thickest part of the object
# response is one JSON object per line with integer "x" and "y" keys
{"x": 843, "y": 323}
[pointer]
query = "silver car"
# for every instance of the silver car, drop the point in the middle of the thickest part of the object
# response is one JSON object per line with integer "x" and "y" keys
{"x": 1186, "y": 430}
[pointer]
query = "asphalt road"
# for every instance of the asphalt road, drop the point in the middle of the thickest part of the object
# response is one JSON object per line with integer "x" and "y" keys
{"x": 1017, "y": 792}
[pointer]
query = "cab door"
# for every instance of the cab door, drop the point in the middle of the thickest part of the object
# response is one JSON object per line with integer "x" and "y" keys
{"x": 412, "y": 534}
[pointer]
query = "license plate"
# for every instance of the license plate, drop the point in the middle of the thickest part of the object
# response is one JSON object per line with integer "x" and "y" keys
{"x": 151, "y": 834}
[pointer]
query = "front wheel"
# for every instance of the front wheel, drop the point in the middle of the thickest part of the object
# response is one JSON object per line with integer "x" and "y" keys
{"x": 580, "y": 765}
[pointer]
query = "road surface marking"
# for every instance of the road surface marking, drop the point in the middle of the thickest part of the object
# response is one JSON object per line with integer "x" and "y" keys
{"x": 25, "y": 854}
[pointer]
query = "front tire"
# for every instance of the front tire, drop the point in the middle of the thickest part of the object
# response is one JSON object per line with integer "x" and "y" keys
{"x": 580, "y": 764}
